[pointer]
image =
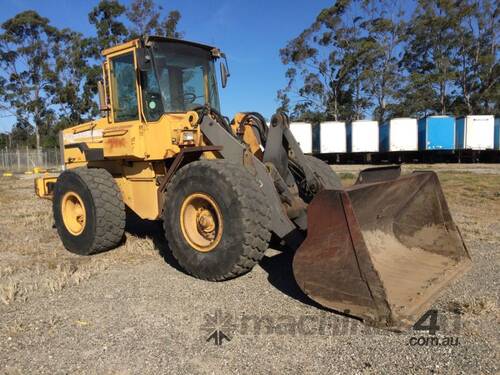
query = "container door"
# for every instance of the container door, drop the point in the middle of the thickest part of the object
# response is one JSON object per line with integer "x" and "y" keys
{"x": 441, "y": 134}
{"x": 332, "y": 137}
{"x": 365, "y": 136}
{"x": 404, "y": 135}
{"x": 479, "y": 132}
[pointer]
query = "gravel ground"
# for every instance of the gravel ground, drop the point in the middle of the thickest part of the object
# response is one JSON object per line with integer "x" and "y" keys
{"x": 132, "y": 310}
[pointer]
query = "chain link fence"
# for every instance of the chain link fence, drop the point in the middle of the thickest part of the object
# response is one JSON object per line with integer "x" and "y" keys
{"x": 25, "y": 159}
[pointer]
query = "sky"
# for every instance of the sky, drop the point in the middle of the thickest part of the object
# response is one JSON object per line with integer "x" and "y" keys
{"x": 250, "y": 32}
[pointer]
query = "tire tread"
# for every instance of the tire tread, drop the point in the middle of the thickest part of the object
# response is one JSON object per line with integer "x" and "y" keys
{"x": 109, "y": 208}
{"x": 256, "y": 217}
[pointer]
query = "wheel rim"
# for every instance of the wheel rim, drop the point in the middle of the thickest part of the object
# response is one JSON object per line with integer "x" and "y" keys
{"x": 201, "y": 222}
{"x": 73, "y": 213}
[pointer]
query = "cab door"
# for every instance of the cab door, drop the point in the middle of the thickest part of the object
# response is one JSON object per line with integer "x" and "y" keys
{"x": 123, "y": 137}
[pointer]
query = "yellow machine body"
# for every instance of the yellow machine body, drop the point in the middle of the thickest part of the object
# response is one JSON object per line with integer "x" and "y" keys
{"x": 132, "y": 151}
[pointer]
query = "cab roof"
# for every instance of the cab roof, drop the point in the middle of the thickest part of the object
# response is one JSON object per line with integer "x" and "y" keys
{"x": 151, "y": 39}
{"x": 175, "y": 40}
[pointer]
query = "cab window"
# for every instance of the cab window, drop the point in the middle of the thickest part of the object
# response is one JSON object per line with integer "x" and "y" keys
{"x": 124, "y": 88}
{"x": 151, "y": 95}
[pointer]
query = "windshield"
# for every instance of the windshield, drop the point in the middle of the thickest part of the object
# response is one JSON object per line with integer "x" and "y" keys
{"x": 183, "y": 78}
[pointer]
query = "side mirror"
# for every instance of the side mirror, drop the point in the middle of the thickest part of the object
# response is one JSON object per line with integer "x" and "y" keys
{"x": 224, "y": 74}
{"x": 143, "y": 59}
{"x": 103, "y": 105}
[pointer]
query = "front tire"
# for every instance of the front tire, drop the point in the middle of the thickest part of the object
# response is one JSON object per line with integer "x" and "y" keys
{"x": 88, "y": 209}
{"x": 216, "y": 219}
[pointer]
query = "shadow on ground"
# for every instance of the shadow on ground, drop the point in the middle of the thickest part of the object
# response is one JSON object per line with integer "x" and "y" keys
{"x": 280, "y": 275}
{"x": 278, "y": 266}
{"x": 153, "y": 230}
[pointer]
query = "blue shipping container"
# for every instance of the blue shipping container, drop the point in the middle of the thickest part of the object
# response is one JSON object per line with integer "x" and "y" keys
{"x": 460, "y": 132}
{"x": 348, "y": 136}
{"x": 497, "y": 133}
{"x": 383, "y": 137}
{"x": 436, "y": 133}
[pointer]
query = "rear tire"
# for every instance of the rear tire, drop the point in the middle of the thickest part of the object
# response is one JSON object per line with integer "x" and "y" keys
{"x": 239, "y": 219}
{"x": 88, "y": 209}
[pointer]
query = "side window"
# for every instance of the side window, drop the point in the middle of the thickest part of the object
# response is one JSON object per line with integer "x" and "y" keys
{"x": 124, "y": 88}
{"x": 151, "y": 95}
{"x": 193, "y": 86}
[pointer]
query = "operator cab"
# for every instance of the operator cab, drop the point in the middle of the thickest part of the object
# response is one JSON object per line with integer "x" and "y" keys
{"x": 175, "y": 76}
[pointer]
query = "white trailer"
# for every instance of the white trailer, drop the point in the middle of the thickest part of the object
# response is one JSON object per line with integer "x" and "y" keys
{"x": 475, "y": 132}
{"x": 332, "y": 137}
{"x": 302, "y": 131}
{"x": 363, "y": 136}
{"x": 399, "y": 134}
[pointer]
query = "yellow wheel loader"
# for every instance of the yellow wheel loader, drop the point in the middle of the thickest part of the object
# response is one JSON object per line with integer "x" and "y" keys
{"x": 380, "y": 250}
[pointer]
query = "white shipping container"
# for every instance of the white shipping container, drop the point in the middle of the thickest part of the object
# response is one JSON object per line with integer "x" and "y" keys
{"x": 401, "y": 134}
{"x": 364, "y": 136}
{"x": 302, "y": 131}
{"x": 475, "y": 132}
{"x": 332, "y": 137}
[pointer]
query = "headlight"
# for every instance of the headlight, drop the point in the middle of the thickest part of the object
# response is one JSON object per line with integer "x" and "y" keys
{"x": 188, "y": 136}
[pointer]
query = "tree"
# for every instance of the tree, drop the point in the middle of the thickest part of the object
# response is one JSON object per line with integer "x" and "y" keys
{"x": 431, "y": 47}
{"x": 76, "y": 83}
{"x": 318, "y": 66}
{"x": 478, "y": 76}
{"x": 384, "y": 28}
{"x": 414, "y": 98}
{"x": 345, "y": 63}
{"x": 4, "y": 140}
{"x": 22, "y": 133}
{"x": 48, "y": 77}
{"x": 145, "y": 17}
{"x": 28, "y": 69}
{"x": 170, "y": 24}
{"x": 362, "y": 56}
{"x": 109, "y": 29}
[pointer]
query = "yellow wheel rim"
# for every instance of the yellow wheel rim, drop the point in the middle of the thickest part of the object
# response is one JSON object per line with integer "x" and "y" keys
{"x": 73, "y": 213}
{"x": 201, "y": 222}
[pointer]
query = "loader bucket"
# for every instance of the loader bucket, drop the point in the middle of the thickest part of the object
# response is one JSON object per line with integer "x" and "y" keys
{"x": 382, "y": 250}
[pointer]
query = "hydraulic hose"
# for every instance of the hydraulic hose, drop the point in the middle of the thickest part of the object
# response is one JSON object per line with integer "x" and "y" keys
{"x": 259, "y": 124}
{"x": 218, "y": 117}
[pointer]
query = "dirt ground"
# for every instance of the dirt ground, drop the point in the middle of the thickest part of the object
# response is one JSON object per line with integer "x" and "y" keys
{"x": 133, "y": 311}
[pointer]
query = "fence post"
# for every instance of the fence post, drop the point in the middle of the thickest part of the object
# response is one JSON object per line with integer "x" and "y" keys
{"x": 3, "y": 162}
{"x": 27, "y": 158}
{"x": 18, "y": 154}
